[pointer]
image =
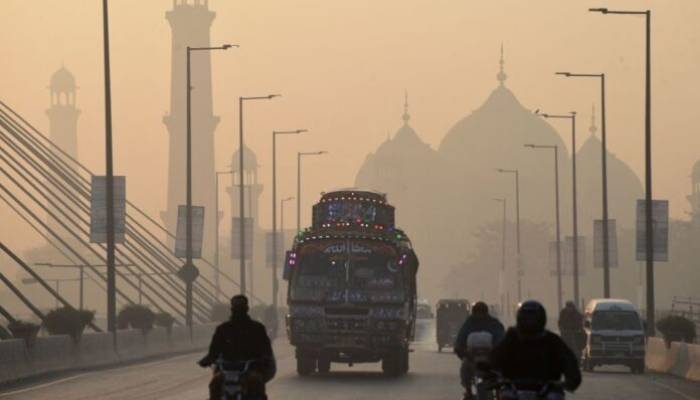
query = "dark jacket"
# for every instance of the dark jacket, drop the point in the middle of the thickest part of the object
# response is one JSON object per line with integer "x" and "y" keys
{"x": 542, "y": 359}
{"x": 241, "y": 339}
{"x": 570, "y": 319}
{"x": 477, "y": 324}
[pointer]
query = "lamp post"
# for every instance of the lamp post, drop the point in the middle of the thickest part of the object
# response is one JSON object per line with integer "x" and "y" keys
{"x": 556, "y": 201}
{"x": 56, "y": 282}
{"x": 286, "y": 199}
{"x": 109, "y": 181}
{"x": 275, "y": 285}
{"x": 299, "y": 156}
{"x": 647, "y": 170}
{"x": 501, "y": 282}
{"x": 81, "y": 276}
{"x": 189, "y": 271}
{"x": 572, "y": 117}
{"x": 241, "y": 178}
{"x": 604, "y": 164}
{"x": 517, "y": 225}
{"x": 217, "y": 268}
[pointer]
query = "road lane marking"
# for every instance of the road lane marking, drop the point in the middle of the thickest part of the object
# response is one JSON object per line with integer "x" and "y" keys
{"x": 45, "y": 385}
{"x": 70, "y": 378}
{"x": 673, "y": 390}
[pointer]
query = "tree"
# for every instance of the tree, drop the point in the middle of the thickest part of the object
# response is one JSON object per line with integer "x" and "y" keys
{"x": 136, "y": 316}
{"x": 68, "y": 321}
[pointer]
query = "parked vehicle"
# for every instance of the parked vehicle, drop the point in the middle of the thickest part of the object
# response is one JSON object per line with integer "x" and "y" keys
{"x": 451, "y": 314}
{"x": 614, "y": 335}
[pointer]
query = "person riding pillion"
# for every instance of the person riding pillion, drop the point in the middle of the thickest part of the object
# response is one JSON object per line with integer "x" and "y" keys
{"x": 478, "y": 322}
{"x": 241, "y": 339}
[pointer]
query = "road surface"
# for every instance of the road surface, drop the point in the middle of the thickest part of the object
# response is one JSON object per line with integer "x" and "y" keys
{"x": 433, "y": 375}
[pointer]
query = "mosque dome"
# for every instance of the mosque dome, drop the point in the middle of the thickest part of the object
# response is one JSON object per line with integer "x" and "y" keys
{"x": 493, "y": 137}
{"x": 624, "y": 186}
{"x": 250, "y": 160}
{"x": 63, "y": 81}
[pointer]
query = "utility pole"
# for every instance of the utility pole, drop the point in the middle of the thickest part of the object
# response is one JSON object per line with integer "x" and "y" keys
{"x": 651, "y": 327}
{"x": 275, "y": 284}
{"x": 556, "y": 202}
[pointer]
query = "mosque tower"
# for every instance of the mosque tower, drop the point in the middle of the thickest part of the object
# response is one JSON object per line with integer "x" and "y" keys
{"x": 63, "y": 121}
{"x": 190, "y": 23}
{"x": 63, "y": 114}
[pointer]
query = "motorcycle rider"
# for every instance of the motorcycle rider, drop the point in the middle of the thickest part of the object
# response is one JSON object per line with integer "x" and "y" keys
{"x": 571, "y": 328}
{"x": 241, "y": 339}
{"x": 478, "y": 321}
{"x": 530, "y": 353}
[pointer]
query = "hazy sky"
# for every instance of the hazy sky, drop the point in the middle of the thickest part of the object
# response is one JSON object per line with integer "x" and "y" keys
{"x": 342, "y": 67}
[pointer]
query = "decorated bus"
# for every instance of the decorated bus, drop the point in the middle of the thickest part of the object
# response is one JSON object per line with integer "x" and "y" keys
{"x": 352, "y": 286}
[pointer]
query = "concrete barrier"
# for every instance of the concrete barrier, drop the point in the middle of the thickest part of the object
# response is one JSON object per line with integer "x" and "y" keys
{"x": 680, "y": 359}
{"x": 60, "y": 353}
{"x": 13, "y": 362}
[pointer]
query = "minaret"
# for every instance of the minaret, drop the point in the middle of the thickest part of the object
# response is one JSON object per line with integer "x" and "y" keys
{"x": 406, "y": 116}
{"x": 63, "y": 124}
{"x": 190, "y": 23}
{"x": 63, "y": 114}
{"x": 252, "y": 189}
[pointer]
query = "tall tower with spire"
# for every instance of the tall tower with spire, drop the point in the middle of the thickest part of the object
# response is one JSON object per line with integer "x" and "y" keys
{"x": 190, "y": 23}
{"x": 501, "y": 76}
{"x": 63, "y": 121}
{"x": 593, "y": 128}
{"x": 63, "y": 113}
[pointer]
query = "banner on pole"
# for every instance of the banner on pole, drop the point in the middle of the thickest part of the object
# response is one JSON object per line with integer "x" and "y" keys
{"x": 598, "y": 261}
{"x": 98, "y": 209}
{"x": 268, "y": 248}
{"x": 197, "y": 231}
{"x": 236, "y": 238}
{"x": 659, "y": 222}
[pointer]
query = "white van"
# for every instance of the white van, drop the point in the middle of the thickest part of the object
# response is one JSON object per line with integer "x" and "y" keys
{"x": 615, "y": 335}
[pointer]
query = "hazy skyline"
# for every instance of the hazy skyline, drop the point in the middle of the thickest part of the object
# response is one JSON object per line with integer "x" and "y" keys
{"x": 342, "y": 68}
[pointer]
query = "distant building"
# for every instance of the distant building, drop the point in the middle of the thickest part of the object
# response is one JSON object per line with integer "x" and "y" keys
{"x": 445, "y": 197}
{"x": 624, "y": 186}
{"x": 63, "y": 124}
{"x": 190, "y": 23}
{"x": 694, "y": 197}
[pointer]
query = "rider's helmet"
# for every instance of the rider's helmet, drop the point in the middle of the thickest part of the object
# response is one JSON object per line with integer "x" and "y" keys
{"x": 480, "y": 309}
{"x": 531, "y": 319}
{"x": 239, "y": 304}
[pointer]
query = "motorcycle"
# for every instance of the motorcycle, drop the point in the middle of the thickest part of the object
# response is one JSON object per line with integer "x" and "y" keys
{"x": 523, "y": 390}
{"x": 236, "y": 379}
{"x": 479, "y": 345}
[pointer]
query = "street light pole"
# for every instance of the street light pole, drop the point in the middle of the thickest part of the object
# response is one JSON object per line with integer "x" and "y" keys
{"x": 299, "y": 155}
{"x": 502, "y": 283}
{"x": 281, "y": 231}
{"x": 275, "y": 284}
{"x": 109, "y": 172}
{"x": 604, "y": 165}
{"x": 189, "y": 264}
{"x": 517, "y": 227}
{"x": 651, "y": 329}
{"x": 241, "y": 178}
{"x": 217, "y": 267}
{"x": 556, "y": 201}
{"x": 572, "y": 117}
